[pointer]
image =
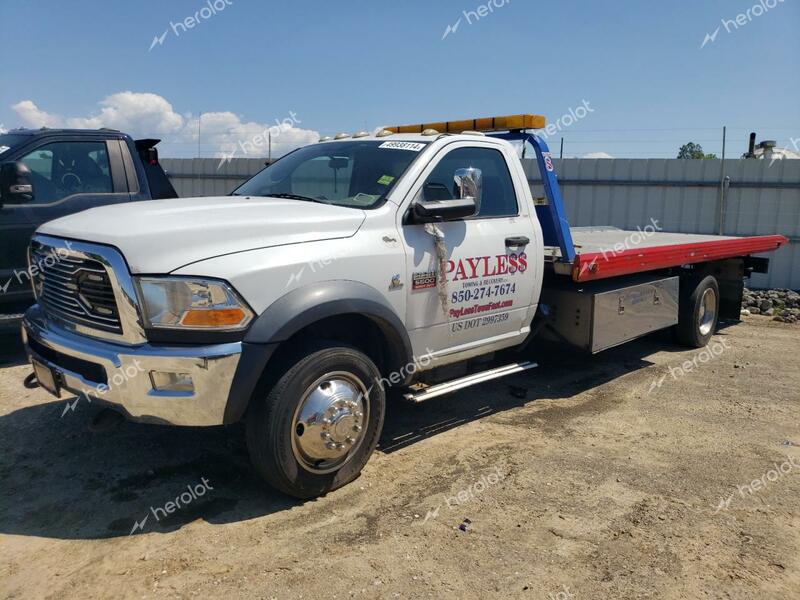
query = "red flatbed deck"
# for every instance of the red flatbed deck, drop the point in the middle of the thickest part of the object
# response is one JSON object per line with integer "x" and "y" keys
{"x": 603, "y": 252}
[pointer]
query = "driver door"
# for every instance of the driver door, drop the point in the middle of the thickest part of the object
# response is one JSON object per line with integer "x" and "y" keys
{"x": 477, "y": 298}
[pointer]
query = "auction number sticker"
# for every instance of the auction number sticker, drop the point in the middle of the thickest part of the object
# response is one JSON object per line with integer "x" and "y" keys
{"x": 412, "y": 146}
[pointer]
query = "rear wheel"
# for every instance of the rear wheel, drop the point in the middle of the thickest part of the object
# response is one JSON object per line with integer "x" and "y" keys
{"x": 319, "y": 423}
{"x": 698, "y": 312}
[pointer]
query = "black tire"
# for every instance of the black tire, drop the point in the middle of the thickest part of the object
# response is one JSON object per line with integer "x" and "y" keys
{"x": 695, "y": 324}
{"x": 271, "y": 425}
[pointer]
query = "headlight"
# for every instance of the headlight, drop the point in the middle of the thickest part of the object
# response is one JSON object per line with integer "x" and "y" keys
{"x": 199, "y": 304}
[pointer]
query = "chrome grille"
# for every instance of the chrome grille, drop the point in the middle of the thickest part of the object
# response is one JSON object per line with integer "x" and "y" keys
{"x": 74, "y": 288}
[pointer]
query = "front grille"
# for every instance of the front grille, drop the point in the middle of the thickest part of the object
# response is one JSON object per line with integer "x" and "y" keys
{"x": 74, "y": 289}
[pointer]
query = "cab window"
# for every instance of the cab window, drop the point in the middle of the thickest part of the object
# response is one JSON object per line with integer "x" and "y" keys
{"x": 498, "y": 199}
{"x": 62, "y": 169}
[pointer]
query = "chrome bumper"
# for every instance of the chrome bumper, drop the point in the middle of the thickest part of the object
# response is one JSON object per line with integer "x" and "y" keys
{"x": 76, "y": 360}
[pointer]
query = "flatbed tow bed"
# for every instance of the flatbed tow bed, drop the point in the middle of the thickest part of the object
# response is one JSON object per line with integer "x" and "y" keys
{"x": 597, "y": 252}
{"x": 603, "y": 252}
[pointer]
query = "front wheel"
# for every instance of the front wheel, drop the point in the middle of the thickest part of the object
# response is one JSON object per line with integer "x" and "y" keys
{"x": 319, "y": 423}
{"x": 698, "y": 311}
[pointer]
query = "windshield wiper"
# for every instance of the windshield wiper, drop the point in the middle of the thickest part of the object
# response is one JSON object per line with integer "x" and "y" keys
{"x": 298, "y": 197}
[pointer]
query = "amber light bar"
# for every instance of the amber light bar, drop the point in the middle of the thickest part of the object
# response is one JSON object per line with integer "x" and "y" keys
{"x": 506, "y": 123}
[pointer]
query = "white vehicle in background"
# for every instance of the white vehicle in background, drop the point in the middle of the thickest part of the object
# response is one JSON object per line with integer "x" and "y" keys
{"x": 347, "y": 269}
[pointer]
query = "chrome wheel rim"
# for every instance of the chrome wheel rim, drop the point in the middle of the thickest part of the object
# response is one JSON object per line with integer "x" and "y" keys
{"x": 330, "y": 422}
{"x": 708, "y": 312}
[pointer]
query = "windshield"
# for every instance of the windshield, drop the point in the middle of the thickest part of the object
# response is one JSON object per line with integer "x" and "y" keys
{"x": 358, "y": 174}
{"x": 9, "y": 140}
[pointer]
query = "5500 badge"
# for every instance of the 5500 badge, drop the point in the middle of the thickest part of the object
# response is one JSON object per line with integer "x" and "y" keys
{"x": 423, "y": 281}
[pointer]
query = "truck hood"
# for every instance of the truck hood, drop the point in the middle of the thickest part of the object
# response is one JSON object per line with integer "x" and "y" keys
{"x": 159, "y": 236}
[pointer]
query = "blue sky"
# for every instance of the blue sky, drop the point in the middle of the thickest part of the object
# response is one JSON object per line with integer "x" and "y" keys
{"x": 344, "y": 66}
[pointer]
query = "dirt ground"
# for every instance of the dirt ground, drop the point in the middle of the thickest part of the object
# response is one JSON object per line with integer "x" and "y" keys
{"x": 626, "y": 475}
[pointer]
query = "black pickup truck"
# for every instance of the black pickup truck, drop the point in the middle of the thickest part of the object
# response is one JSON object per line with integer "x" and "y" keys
{"x": 49, "y": 173}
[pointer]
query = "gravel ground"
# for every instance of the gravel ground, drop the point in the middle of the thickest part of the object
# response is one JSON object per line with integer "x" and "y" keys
{"x": 647, "y": 471}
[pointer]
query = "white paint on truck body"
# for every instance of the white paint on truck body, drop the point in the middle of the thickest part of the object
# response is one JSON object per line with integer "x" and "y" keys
{"x": 267, "y": 247}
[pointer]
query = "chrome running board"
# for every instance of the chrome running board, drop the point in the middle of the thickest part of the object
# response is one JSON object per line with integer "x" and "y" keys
{"x": 458, "y": 384}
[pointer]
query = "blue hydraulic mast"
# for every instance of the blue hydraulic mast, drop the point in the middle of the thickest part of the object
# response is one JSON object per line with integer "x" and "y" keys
{"x": 552, "y": 216}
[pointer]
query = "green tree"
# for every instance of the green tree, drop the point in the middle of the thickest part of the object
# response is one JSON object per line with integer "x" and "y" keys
{"x": 692, "y": 150}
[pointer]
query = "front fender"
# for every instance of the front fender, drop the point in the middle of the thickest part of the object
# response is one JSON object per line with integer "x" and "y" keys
{"x": 308, "y": 304}
{"x": 302, "y": 307}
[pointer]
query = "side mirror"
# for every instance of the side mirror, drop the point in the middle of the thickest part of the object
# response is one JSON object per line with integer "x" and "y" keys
{"x": 469, "y": 182}
{"x": 16, "y": 185}
{"x": 444, "y": 210}
{"x": 435, "y": 204}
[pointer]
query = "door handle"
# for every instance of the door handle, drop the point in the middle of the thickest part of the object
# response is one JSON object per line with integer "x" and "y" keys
{"x": 516, "y": 241}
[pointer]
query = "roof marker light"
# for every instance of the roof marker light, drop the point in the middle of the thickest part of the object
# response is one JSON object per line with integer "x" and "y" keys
{"x": 384, "y": 133}
{"x": 341, "y": 136}
{"x": 506, "y": 123}
{"x": 430, "y": 132}
{"x": 360, "y": 134}
{"x": 325, "y": 138}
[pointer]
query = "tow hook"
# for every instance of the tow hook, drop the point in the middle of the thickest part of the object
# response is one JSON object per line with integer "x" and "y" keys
{"x": 31, "y": 382}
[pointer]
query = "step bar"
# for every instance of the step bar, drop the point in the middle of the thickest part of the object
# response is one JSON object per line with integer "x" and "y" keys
{"x": 441, "y": 389}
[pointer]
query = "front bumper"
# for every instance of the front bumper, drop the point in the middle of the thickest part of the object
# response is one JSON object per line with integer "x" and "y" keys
{"x": 120, "y": 375}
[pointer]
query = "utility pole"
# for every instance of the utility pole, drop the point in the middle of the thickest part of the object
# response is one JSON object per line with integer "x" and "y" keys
{"x": 199, "y": 120}
{"x": 561, "y": 154}
{"x": 722, "y": 186}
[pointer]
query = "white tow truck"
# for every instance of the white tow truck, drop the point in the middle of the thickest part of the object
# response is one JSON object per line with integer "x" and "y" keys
{"x": 406, "y": 262}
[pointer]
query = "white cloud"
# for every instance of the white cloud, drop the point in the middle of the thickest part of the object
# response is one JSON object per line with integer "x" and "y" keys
{"x": 150, "y": 115}
{"x": 596, "y": 155}
{"x": 132, "y": 112}
{"x": 229, "y": 136}
{"x": 32, "y": 116}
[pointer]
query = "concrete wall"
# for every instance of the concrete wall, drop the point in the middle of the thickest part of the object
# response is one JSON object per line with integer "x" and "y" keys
{"x": 681, "y": 195}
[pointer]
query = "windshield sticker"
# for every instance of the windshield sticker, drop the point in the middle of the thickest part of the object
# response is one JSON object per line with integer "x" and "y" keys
{"x": 386, "y": 180}
{"x": 413, "y": 146}
{"x": 4, "y": 148}
{"x": 362, "y": 199}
